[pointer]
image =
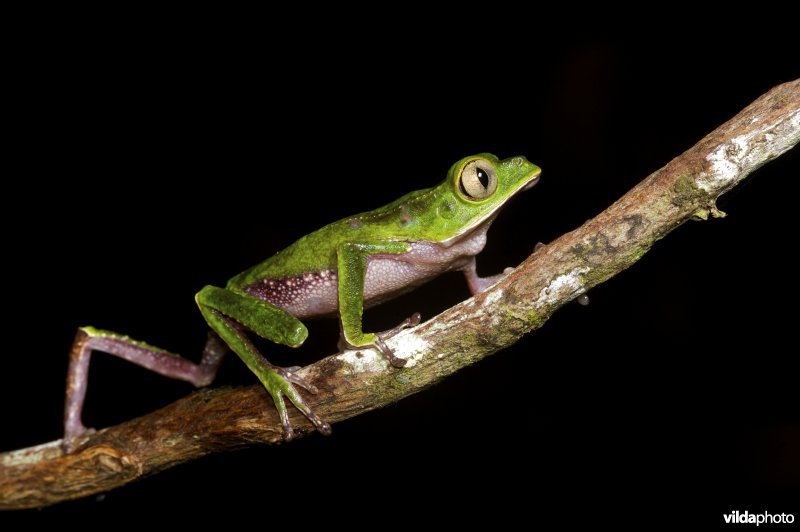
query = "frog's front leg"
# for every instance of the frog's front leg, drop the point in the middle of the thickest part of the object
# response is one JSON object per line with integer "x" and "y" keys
{"x": 479, "y": 284}
{"x": 352, "y": 269}
{"x": 229, "y": 314}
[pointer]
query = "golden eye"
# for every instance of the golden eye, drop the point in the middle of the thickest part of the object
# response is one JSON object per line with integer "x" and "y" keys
{"x": 478, "y": 180}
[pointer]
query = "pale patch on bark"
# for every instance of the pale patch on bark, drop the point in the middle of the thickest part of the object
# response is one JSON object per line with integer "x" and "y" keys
{"x": 562, "y": 288}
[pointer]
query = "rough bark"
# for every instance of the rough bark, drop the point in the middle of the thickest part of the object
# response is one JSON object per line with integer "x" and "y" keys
{"x": 220, "y": 419}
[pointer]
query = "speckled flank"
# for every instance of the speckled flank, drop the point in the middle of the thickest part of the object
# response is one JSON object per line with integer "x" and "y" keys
{"x": 310, "y": 294}
{"x": 316, "y": 293}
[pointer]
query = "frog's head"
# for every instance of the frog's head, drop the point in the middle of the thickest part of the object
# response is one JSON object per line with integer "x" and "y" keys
{"x": 477, "y": 186}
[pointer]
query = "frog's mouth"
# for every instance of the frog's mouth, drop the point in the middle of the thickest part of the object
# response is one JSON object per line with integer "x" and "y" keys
{"x": 532, "y": 181}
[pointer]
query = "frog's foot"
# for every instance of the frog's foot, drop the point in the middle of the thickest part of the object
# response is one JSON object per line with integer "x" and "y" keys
{"x": 411, "y": 321}
{"x": 73, "y": 436}
{"x": 280, "y": 383}
{"x": 479, "y": 284}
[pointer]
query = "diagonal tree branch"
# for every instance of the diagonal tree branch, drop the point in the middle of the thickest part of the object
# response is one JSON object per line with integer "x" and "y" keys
{"x": 220, "y": 419}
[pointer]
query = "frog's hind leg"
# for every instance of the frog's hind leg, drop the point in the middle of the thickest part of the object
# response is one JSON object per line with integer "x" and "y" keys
{"x": 231, "y": 315}
{"x": 89, "y": 339}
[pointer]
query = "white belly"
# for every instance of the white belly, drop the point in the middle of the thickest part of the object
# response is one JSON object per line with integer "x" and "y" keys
{"x": 316, "y": 294}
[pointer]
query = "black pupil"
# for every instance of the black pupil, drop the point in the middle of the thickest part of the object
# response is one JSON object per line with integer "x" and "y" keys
{"x": 483, "y": 177}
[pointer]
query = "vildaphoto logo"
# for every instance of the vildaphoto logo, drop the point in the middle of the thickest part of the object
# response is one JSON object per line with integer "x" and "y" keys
{"x": 764, "y": 518}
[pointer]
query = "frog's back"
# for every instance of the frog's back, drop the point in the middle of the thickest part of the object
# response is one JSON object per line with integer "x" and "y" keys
{"x": 303, "y": 278}
{"x": 316, "y": 252}
{"x": 311, "y": 253}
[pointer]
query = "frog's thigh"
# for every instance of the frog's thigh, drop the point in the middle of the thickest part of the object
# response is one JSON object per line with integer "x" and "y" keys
{"x": 229, "y": 313}
{"x": 264, "y": 319}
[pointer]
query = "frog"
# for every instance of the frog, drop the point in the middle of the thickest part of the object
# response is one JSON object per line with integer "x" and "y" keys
{"x": 338, "y": 271}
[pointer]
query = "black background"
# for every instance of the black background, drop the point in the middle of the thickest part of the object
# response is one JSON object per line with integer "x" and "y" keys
{"x": 153, "y": 162}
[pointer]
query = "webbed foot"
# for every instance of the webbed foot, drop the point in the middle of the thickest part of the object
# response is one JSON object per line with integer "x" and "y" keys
{"x": 378, "y": 342}
{"x": 479, "y": 284}
{"x": 280, "y": 383}
{"x": 411, "y": 321}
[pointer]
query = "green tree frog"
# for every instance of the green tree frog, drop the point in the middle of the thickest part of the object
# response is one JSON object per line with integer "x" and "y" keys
{"x": 342, "y": 269}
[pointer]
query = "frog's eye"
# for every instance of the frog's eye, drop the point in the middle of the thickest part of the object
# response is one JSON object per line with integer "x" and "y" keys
{"x": 478, "y": 180}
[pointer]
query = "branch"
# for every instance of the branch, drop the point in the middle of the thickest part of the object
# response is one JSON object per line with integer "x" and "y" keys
{"x": 221, "y": 419}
